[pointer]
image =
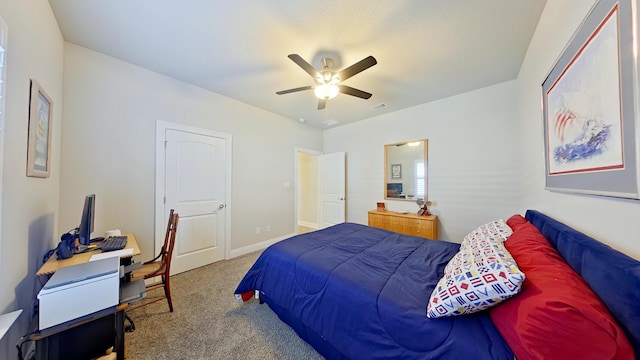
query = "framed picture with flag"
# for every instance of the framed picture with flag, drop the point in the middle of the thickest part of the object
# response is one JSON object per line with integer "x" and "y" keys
{"x": 589, "y": 108}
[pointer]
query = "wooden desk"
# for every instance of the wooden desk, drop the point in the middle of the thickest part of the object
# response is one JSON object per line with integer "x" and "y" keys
{"x": 54, "y": 264}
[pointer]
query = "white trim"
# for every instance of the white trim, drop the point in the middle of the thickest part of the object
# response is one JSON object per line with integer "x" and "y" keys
{"x": 161, "y": 128}
{"x": 259, "y": 246}
{"x": 6, "y": 320}
{"x": 296, "y": 186}
{"x": 308, "y": 224}
{"x": 4, "y": 29}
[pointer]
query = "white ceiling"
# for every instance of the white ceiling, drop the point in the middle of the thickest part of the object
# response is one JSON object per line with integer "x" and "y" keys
{"x": 426, "y": 49}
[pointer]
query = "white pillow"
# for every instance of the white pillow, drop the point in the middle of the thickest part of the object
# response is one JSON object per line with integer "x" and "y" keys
{"x": 496, "y": 230}
{"x": 476, "y": 278}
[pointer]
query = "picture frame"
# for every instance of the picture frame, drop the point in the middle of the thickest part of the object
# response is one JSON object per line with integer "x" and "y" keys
{"x": 39, "y": 138}
{"x": 396, "y": 171}
{"x": 589, "y": 107}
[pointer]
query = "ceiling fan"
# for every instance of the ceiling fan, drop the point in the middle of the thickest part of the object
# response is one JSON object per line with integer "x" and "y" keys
{"x": 328, "y": 82}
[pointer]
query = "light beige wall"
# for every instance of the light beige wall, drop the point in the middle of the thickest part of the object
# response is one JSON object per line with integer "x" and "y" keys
{"x": 308, "y": 189}
{"x": 108, "y": 148}
{"x": 610, "y": 220}
{"x": 486, "y": 155}
{"x": 472, "y": 177}
{"x": 29, "y": 205}
{"x": 478, "y": 169}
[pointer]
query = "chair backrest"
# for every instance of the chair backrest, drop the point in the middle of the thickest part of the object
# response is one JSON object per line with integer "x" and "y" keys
{"x": 167, "y": 249}
{"x": 167, "y": 233}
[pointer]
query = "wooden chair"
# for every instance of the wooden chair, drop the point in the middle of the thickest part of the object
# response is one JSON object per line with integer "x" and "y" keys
{"x": 160, "y": 265}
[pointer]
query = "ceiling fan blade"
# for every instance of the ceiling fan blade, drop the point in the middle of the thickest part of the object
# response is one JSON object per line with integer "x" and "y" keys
{"x": 302, "y": 88}
{"x": 361, "y": 65}
{"x": 322, "y": 103}
{"x": 304, "y": 65}
{"x": 354, "y": 92}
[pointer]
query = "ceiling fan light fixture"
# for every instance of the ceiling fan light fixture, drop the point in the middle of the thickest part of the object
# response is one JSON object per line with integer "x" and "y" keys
{"x": 328, "y": 83}
{"x": 326, "y": 91}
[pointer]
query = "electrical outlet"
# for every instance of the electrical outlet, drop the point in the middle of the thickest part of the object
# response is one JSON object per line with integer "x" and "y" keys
{"x": 258, "y": 231}
{"x": 268, "y": 228}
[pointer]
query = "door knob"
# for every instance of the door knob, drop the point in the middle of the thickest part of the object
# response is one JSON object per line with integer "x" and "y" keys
{"x": 341, "y": 199}
{"x": 221, "y": 206}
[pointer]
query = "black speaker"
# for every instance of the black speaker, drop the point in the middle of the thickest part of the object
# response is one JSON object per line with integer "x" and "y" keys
{"x": 66, "y": 246}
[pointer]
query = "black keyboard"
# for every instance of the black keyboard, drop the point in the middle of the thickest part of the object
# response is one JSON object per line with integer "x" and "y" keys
{"x": 114, "y": 243}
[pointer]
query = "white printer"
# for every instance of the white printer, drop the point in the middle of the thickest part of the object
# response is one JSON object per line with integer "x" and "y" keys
{"x": 79, "y": 290}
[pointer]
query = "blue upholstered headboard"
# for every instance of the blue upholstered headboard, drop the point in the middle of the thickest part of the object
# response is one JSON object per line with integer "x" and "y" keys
{"x": 614, "y": 276}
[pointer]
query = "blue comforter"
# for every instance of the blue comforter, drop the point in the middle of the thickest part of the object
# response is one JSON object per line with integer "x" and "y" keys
{"x": 358, "y": 292}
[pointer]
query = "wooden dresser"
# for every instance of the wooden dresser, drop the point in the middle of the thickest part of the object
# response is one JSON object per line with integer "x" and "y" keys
{"x": 409, "y": 224}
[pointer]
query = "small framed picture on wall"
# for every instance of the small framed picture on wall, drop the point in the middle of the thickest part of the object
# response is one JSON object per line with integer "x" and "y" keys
{"x": 39, "y": 145}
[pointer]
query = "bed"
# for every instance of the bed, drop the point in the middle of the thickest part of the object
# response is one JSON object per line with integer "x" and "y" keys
{"x": 357, "y": 292}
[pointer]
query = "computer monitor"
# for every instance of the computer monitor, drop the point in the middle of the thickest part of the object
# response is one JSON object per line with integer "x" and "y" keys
{"x": 86, "y": 222}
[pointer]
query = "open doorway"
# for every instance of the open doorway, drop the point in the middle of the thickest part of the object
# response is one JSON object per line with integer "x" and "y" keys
{"x": 320, "y": 189}
{"x": 307, "y": 218}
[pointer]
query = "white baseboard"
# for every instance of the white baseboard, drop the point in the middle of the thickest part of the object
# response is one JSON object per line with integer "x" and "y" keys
{"x": 308, "y": 224}
{"x": 259, "y": 246}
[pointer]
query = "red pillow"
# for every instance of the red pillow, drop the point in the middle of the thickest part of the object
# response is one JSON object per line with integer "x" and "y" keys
{"x": 556, "y": 315}
{"x": 516, "y": 221}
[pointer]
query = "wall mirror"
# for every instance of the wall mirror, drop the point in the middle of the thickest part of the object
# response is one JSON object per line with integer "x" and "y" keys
{"x": 405, "y": 170}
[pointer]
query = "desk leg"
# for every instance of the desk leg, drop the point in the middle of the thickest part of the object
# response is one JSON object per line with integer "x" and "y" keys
{"x": 42, "y": 350}
{"x": 118, "y": 346}
{"x": 126, "y": 262}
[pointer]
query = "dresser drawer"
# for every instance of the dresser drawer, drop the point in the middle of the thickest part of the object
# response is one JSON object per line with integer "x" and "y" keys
{"x": 409, "y": 224}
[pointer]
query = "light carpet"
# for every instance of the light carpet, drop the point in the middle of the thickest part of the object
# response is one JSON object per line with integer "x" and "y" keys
{"x": 207, "y": 322}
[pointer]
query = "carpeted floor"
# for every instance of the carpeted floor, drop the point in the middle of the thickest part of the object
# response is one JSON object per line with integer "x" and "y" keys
{"x": 208, "y": 323}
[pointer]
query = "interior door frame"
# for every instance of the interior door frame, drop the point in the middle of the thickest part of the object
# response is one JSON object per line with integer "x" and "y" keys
{"x": 4, "y": 30}
{"x": 160, "y": 225}
{"x": 296, "y": 185}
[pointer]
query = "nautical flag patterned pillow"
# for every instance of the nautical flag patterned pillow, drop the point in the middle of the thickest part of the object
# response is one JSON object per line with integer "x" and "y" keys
{"x": 493, "y": 233}
{"x": 496, "y": 230}
{"x": 476, "y": 278}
